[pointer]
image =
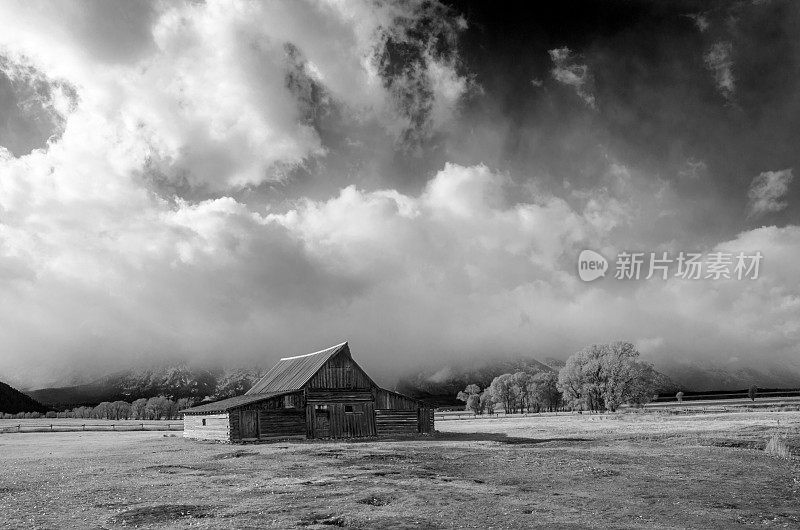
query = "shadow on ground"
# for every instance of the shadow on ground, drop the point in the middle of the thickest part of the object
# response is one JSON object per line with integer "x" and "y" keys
{"x": 427, "y": 438}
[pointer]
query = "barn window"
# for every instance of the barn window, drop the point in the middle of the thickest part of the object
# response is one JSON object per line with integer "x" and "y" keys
{"x": 287, "y": 402}
{"x": 204, "y": 422}
{"x": 348, "y": 408}
{"x": 321, "y": 407}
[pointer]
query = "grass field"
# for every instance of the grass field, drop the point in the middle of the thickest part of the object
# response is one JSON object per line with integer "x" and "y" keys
{"x": 650, "y": 470}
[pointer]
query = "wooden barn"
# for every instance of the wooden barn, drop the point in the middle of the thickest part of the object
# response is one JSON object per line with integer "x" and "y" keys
{"x": 325, "y": 394}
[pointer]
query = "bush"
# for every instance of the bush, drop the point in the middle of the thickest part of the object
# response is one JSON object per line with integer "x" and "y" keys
{"x": 777, "y": 447}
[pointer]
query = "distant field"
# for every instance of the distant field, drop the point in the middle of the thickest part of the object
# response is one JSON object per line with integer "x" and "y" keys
{"x": 653, "y": 470}
{"x": 788, "y": 401}
{"x": 698, "y": 405}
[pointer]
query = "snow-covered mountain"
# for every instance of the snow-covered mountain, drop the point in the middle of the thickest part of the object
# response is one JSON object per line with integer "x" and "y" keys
{"x": 173, "y": 380}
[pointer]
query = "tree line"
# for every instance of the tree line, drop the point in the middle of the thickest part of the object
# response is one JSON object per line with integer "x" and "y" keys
{"x": 155, "y": 408}
{"x": 598, "y": 378}
{"x": 517, "y": 392}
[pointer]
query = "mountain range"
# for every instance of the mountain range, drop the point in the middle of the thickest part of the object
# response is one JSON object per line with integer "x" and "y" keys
{"x": 173, "y": 381}
{"x": 436, "y": 383}
{"x": 698, "y": 375}
{"x": 13, "y": 401}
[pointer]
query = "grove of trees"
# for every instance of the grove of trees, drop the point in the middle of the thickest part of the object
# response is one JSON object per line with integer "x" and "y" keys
{"x": 155, "y": 408}
{"x": 517, "y": 392}
{"x": 598, "y": 378}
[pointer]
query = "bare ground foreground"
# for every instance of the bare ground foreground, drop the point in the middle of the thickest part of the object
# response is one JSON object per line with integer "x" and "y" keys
{"x": 651, "y": 470}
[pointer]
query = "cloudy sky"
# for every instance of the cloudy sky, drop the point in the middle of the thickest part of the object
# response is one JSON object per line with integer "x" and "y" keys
{"x": 242, "y": 181}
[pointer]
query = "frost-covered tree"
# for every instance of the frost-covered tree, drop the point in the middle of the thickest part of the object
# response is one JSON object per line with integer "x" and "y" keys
{"x": 605, "y": 376}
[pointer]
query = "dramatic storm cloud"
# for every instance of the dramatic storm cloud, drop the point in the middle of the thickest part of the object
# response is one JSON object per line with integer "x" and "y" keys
{"x": 242, "y": 180}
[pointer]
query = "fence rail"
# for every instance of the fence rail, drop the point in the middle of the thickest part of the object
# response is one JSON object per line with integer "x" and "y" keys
{"x": 76, "y": 427}
{"x": 445, "y": 416}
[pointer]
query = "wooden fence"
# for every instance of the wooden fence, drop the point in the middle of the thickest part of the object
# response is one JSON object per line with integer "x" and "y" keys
{"x": 76, "y": 427}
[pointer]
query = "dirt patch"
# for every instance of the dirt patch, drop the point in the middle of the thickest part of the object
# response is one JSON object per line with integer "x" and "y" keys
{"x": 512, "y": 440}
{"x": 734, "y": 443}
{"x": 385, "y": 456}
{"x": 724, "y": 505}
{"x": 599, "y": 472}
{"x": 165, "y": 513}
{"x": 171, "y": 468}
{"x": 330, "y": 453}
{"x": 235, "y": 454}
{"x": 374, "y": 500}
{"x": 318, "y": 520}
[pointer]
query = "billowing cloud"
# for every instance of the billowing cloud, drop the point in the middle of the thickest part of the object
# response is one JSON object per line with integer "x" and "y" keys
{"x": 567, "y": 70}
{"x": 101, "y": 271}
{"x": 767, "y": 190}
{"x": 224, "y": 94}
{"x": 185, "y": 199}
{"x": 718, "y": 60}
{"x": 126, "y": 273}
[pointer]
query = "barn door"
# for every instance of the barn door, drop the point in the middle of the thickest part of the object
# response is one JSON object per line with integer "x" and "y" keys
{"x": 322, "y": 422}
{"x": 249, "y": 424}
{"x": 359, "y": 420}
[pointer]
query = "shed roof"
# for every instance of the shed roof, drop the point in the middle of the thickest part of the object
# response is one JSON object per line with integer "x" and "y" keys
{"x": 292, "y": 373}
{"x": 231, "y": 403}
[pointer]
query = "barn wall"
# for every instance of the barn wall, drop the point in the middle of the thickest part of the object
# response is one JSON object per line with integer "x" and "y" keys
{"x": 329, "y": 396}
{"x": 341, "y": 419}
{"x": 217, "y": 427}
{"x": 399, "y": 414}
{"x": 396, "y": 422}
{"x": 386, "y": 399}
{"x": 356, "y": 424}
{"x": 338, "y": 373}
{"x": 278, "y": 417}
{"x": 426, "y": 420}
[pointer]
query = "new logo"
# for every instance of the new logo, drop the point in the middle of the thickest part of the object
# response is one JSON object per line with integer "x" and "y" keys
{"x": 591, "y": 265}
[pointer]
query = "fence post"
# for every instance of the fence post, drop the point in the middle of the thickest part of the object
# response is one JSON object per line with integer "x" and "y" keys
{"x": 142, "y": 426}
{"x": 83, "y": 427}
{"x": 51, "y": 426}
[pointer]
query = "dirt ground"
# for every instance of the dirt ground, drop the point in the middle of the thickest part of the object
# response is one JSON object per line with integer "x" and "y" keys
{"x": 566, "y": 471}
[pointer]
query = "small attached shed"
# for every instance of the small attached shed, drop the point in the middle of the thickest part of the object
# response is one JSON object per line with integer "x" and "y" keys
{"x": 324, "y": 394}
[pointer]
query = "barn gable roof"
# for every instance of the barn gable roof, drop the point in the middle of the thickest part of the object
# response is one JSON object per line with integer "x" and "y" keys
{"x": 292, "y": 373}
{"x": 224, "y": 405}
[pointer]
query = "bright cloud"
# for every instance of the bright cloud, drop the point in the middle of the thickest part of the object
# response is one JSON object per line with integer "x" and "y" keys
{"x": 125, "y": 273}
{"x": 718, "y": 60}
{"x": 567, "y": 70}
{"x": 223, "y": 94}
{"x": 767, "y": 190}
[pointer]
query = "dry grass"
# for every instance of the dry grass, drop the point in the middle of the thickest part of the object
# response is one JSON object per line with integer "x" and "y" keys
{"x": 778, "y": 448}
{"x": 564, "y": 471}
